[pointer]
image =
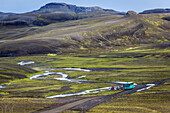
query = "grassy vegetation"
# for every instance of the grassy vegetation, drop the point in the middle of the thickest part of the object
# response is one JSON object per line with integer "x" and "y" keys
{"x": 127, "y": 58}
{"x": 46, "y": 87}
{"x": 136, "y": 75}
{"x": 146, "y": 68}
{"x": 24, "y": 105}
{"x": 35, "y": 88}
{"x": 139, "y": 45}
{"x": 11, "y": 71}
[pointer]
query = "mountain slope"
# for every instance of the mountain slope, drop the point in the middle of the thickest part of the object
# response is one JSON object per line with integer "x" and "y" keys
{"x": 38, "y": 19}
{"x": 4, "y": 15}
{"x": 52, "y": 13}
{"x": 107, "y": 32}
{"x": 156, "y": 11}
{"x": 73, "y": 9}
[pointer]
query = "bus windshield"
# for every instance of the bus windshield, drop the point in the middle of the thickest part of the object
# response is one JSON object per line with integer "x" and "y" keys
{"x": 127, "y": 85}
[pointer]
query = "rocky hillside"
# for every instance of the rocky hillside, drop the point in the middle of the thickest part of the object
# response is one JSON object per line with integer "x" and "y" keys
{"x": 52, "y": 13}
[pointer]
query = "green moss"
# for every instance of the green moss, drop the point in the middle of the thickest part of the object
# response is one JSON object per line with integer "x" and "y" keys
{"x": 11, "y": 71}
{"x": 27, "y": 105}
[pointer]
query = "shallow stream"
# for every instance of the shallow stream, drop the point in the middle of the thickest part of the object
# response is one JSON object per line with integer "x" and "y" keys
{"x": 64, "y": 77}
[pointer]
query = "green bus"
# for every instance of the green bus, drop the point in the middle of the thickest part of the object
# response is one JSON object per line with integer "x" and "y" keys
{"x": 128, "y": 85}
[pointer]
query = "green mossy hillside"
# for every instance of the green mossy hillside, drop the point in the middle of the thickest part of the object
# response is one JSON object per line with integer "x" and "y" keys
{"x": 11, "y": 71}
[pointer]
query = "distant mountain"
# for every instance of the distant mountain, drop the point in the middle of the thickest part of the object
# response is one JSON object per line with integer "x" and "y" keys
{"x": 52, "y": 13}
{"x": 156, "y": 11}
{"x": 73, "y": 9}
{"x": 4, "y": 15}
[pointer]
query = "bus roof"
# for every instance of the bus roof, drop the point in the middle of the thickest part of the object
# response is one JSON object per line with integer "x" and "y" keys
{"x": 129, "y": 83}
{"x": 123, "y": 82}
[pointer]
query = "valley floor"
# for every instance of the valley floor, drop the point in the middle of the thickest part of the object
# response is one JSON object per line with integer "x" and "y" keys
{"x": 138, "y": 64}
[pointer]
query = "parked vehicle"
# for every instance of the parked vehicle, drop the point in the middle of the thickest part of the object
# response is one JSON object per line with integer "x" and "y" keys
{"x": 123, "y": 85}
{"x": 128, "y": 85}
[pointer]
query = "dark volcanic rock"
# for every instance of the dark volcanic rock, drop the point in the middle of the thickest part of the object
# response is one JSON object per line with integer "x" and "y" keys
{"x": 14, "y": 23}
{"x": 131, "y": 13}
{"x": 166, "y": 18}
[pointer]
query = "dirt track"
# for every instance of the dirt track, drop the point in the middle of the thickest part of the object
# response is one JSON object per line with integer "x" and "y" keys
{"x": 87, "y": 103}
{"x": 68, "y": 106}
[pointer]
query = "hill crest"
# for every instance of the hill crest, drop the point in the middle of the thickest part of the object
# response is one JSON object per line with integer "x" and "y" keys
{"x": 56, "y": 7}
{"x": 159, "y": 10}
